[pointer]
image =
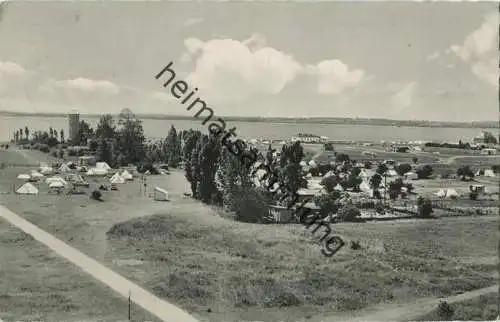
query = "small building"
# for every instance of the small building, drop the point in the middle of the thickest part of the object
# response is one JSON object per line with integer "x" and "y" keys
{"x": 281, "y": 214}
{"x": 488, "y": 151}
{"x": 401, "y": 149}
{"x": 479, "y": 188}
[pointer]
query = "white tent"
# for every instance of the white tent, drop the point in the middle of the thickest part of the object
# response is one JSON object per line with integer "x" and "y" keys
{"x": 102, "y": 165}
{"x": 127, "y": 176}
{"x": 147, "y": 172}
{"x": 309, "y": 175}
{"x": 97, "y": 172}
{"x": 23, "y": 176}
{"x": 441, "y": 193}
{"x": 329, "y": 174}
{"x": 411, "y": 176}
{"x": 64, "y": 168}
{"x": 365, "y": 187}
{"x": 116, "y": 178}
{"x": 312, "y": 163}
{"x": 55, "y": 179}
{"x": 56, "y": 184}
{"x": 450, "y": 192}
{"x": 338, "y": 187}
{"x": 489, "y": 173}
{"x": 36, "y": 174}
{"x": 46, "y": 170}
{"x": 364, "y": 174}
{"x": 391, "y": 173}
{"x": 27, "y": 189}
{"x": 303, "y": 163}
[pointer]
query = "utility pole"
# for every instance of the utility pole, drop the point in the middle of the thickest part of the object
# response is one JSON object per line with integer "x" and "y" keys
{"x": 385, "y": 188}
{"x": 129, "y": 304}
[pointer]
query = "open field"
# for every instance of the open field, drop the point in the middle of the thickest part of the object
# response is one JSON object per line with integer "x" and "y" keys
{"x": 178, "y": 250}
{"x": 36, "y": 284}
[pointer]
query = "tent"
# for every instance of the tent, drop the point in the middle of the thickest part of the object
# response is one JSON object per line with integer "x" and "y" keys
{"x": 329, "y": 174}
{"x": 309, "y": 175}
{"x": 102, "y": 165}
{"x": 64, "y": 168}
{"x": 451, "y": 193}
{"x": 46, "y": 170}
{"x": 126, "y": 175}
{"x": 365, "y": 187}
{"x": 97, "y": 172}
{"x": 303, "y": 163}
{"x": 411, "y": 176}
{"x": 338, "y": 187}
{"x": 441, "y": 193}
{"x": 23, "y": 176}
{"x": 312, "y": 163}
{"x": 56, "y": 184}
{"x": 489, "y": 173}
{"x": 391, "y": 173}
{"x": 116, "y": 178}
{"x": 55, "y": 179}
{"x": 36, "y": 174}
{"x": 27, "y": 189}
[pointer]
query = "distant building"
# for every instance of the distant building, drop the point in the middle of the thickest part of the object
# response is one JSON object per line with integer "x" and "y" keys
{"x": 488, "y": 151}
{"x": 401, "y": 149}
{"x": 309, "y": 138}
{"x": 74, "y": 126}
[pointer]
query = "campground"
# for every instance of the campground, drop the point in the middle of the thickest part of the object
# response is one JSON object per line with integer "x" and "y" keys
{"x": 177, "y": 249}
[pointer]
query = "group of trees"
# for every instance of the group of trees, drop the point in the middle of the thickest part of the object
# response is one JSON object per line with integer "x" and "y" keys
{"x": 50, "y": 138}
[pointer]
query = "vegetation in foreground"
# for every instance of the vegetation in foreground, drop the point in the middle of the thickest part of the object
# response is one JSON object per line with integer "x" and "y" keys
{"x": 483, "y": 308}
{"x": 277, "y": 266}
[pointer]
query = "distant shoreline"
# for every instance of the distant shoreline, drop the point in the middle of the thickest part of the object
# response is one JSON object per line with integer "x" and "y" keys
{"x": 312, "y": 120}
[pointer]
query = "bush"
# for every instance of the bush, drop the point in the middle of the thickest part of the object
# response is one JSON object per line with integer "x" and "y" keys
{"x": 403, "y": 168}
{"x": 445, "y": 311}
{"x": 44, "y": 148}
{"x": 425, "y": 172}
{"x": 71, "y": 153}
{"x": 473, "y": 195}
{"x": 61, "y": 154}
{"x": 424, "y": 207}
{"x": 54, "y": 154}
{"x": 380, "y": 209}
{"x": 348, "y": 213}
{"x": 251, "y": 206}
{"x": 6, "y": 147}
{"x": 96, "y": 195}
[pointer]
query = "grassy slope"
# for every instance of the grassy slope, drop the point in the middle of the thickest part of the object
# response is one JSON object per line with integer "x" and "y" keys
{"x": 483, "y": 308}
{"x": 36, "y": 284}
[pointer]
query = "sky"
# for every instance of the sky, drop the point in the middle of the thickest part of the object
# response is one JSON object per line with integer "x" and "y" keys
{"x": 397, "y": 60}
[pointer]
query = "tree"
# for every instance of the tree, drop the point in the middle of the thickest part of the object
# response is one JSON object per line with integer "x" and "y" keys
{"x": 207, "y": 162}
{"x": 328, "y": 147}
{"x": 172, "y": 148}
{"x": 375, "y": 182}
{"x": 21, "y": 133}
{"x": 424, "y": 172}
{"x": 61, "y": 135}
{"x": 348, "y": 212}
{"x": 424, "y": 207}
{"x": 190, "y": 156}
{"x": 414, "y": 160}
{"x": 403, "y": 168}
{"x": 330, "y": 183}
{"x": 85, "y": 132}
{"x": 342, "y": 157}
{"x": 27, "y": 133}
{"x": 131, "y": 138}
{"x": 394, "y": 188}
{"x": 290, "y": 174}
{"x": 104, "y": 152}
{"x": 106, "y": 128}
{"x": 328, "y": 203}
{"x": 489, "y": 138}
{"x": 465, "y": 173}
{"x": 382, "y": 169}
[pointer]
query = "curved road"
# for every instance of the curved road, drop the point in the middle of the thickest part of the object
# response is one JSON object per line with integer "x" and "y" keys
{"x": 154, "y": 305}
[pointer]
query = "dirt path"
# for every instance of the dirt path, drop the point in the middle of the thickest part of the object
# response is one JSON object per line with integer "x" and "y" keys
{"x": 162, "y": 309}
{"x": 406, "y": 311}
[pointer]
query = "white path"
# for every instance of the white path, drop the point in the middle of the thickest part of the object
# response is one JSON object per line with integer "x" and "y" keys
{"x": 154, "y": 305}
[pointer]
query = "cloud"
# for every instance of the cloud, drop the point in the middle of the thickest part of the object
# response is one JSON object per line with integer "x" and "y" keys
{"x": 23, "y": 90}
{"x": 433, "y": 56}
{"x": 404, "y": 97}
{"x": 480, "y": 50}
{"x": 228, "y": 69}
{"x": 334, "y": 76}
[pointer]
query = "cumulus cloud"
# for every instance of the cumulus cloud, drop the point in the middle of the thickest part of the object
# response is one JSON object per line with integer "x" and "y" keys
{"x": 89, "y": 86}
{"x": 480, "y": 50}
{"x": 233, "y": 69}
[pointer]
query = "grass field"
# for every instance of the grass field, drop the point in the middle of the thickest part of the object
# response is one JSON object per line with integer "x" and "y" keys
{"x": 483, "y": 308}
{"x": 185, "y": 252}
{"x": 37, "y": 285}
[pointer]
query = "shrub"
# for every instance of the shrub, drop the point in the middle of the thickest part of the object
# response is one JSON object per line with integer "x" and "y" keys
{"x": 445, "y": 311}
{"x": 403, "y": 168}
{"x": 44, "y": 148}
{"x": 424, "y": 206}
{"x": 96, "y": 195}
{"x": 6, "y": 146}
{"x": 425, "y": 172}
{"x": 54, "y": 154}
{"x": 61, "y": 154}
{"x": 380, "y": 209}
{"x": 71, "y": 153}
{"x": 348, "y": 213}
{"x": 355, "y": 245}
{"x": 473, "y": 195}
{"x": 251, "y": 206}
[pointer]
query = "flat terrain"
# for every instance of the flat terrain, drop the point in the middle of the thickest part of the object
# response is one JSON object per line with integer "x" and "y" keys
{"x": 187, "y": 253}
